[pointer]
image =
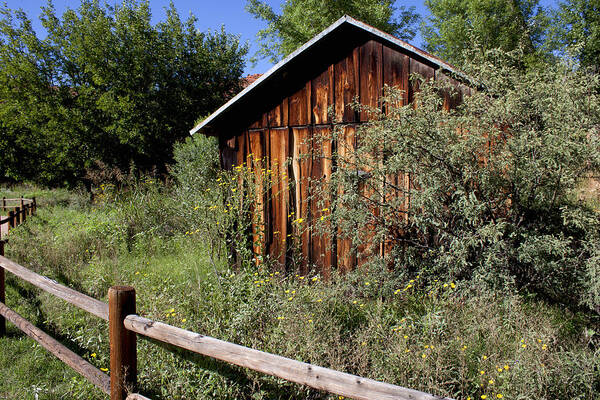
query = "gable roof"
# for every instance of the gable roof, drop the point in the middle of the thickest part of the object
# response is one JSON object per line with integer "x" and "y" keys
{"x": 344, "y": 30}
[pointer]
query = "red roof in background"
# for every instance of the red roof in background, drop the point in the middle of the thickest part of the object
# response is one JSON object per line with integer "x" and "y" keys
{"x": 249, "y": 80}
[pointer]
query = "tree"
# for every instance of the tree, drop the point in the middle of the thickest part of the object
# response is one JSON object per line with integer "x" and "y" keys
{"x": 458, "y": 25}
{"x": 577, "y": 30}
{"x": 300, "y": 20}
{"x": 106, "y": 85}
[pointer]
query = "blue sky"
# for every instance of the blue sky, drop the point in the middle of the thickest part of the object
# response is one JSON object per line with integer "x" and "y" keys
{"x": 211, "y": 15}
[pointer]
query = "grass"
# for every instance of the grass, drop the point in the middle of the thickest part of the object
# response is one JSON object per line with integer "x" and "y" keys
{"x": 447, "y": 338}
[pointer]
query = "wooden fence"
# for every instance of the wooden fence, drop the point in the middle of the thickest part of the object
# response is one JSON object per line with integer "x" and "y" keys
{"x": 124, "y": 324}
{"x": 17, "y": 211}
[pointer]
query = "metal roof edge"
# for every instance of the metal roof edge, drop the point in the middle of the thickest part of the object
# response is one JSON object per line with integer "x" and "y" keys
{"x": 407, "y": 46}
{"x": 270, "y": 72}
{"x": 345, "y": 19}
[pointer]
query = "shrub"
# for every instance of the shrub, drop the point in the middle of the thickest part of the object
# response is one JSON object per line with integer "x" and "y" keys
{"x": 493, "y": 192}
{"x": 220, "y": 205}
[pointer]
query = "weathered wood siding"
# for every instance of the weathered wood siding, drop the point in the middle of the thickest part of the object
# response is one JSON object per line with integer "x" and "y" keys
{"x": 282, "y": 143}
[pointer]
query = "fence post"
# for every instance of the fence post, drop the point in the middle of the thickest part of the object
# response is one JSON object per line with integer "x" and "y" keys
{"x": 3, "y": 203}
{"x": 18, "y": 216}
{"x": 11, "y": 220}
{"x": 2, "y": 291}
{"x": 123, "y": 352}
{"x": 34, "y": 207}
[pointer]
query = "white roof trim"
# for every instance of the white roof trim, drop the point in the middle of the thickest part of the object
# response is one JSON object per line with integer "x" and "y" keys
{"x": 345, "y": 19}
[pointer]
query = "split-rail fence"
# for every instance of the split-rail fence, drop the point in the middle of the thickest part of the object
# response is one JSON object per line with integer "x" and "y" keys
{"x": 16, "y": 211}
{"x": 124, "y": 325}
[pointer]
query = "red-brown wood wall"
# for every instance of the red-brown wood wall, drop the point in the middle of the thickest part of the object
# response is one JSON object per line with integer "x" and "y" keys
{"x": 284, "y": 132}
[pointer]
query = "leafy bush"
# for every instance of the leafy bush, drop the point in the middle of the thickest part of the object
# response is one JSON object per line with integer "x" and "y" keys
{"x": 493, "y": 192}
{"x": 220, "y": 205}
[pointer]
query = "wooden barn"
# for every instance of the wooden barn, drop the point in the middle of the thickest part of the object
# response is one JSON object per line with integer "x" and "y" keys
{"x": 305, "y": 95}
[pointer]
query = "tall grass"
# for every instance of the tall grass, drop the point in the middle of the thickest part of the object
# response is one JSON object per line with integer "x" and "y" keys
{"x": 448, "y": 338}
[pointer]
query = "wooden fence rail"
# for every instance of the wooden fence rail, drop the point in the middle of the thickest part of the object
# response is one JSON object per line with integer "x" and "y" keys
{"x": 18, "y": 210}
{"x": 124, "y": 324}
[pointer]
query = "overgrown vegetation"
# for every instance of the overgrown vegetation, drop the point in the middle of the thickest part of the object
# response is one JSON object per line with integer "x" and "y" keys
{"x": 489, "y": 285}
{"x": 456, "y": 338}
{"x": 493, "y": 194}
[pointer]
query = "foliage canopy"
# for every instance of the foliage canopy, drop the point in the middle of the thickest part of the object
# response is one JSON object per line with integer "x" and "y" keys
{"x": 458, "y": 25}
{"x": 576, "y": 29}
{"x": 300, "y": 20}
{"x": 106, "y": 85}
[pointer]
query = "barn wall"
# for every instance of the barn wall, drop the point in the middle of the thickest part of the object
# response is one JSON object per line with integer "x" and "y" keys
{"x": 279, "y": 141}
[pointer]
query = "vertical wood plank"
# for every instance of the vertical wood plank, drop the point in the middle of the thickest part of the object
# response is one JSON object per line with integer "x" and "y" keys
{"x": 322, "y": 96}
{"x": 123, "y": 349}
{"x": 395, "y": 73}
{"x": 417, "y": 67}
{"x": 321, "y": 238}
{"x": 274, "y": 116}
{"x": 396, "y": 68}
{"x": 370, "y": 76}
{"x": 316, "y": 177}
{"x": 301, "y": 162}
{"x": 299, "y": 106}
{"x": 285, "y": 112}
{"x": 256, "y": 162}
{"x": 346, "y": 87}
{"x": 227, "y": 153}
{"x": 346, "y": 257}
{"x": 369, "y": 188}
{"x": 279, "y": 195}
{"x": 452, "y": 96}
{"x": 240, "y": 149}
{"x": 261, "y": 122}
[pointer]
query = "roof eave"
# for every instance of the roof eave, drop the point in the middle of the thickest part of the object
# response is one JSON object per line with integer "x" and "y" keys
{"x": 206, "y": 124}
{"x": 270, "y": 72}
